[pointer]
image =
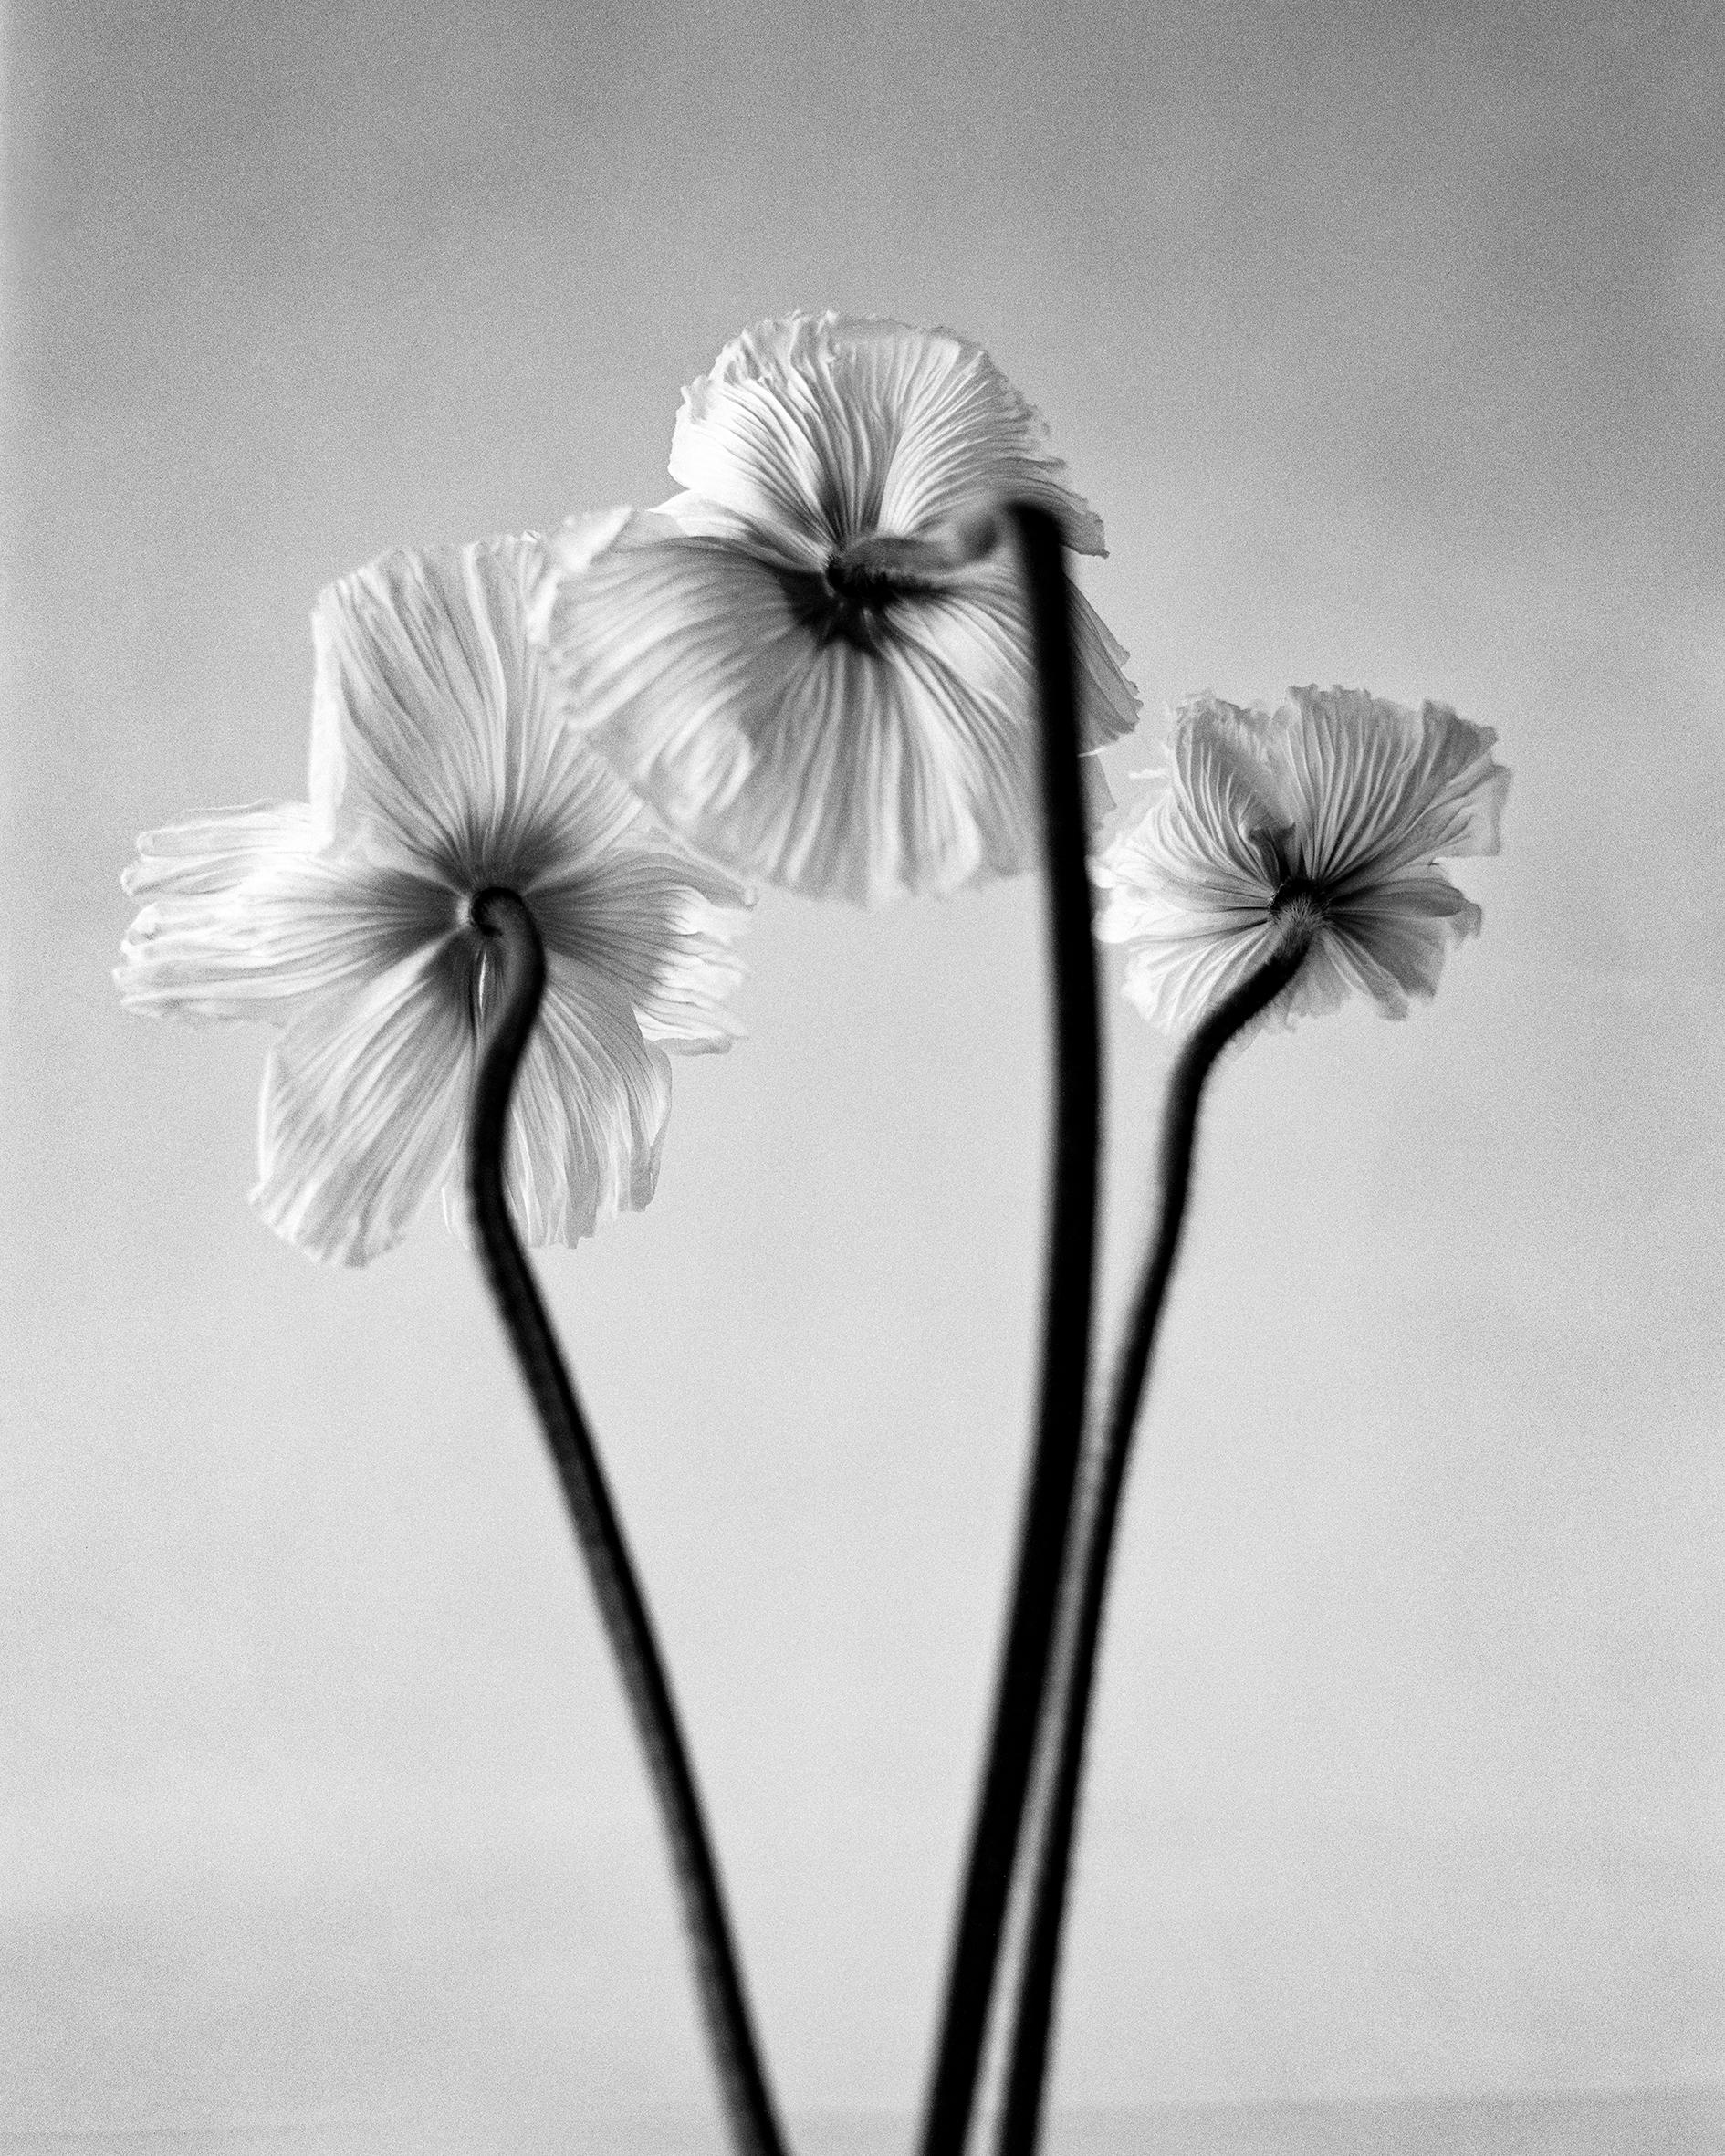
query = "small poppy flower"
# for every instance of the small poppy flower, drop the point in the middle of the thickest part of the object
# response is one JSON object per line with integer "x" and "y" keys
{"x": 791, "y": 660}
{"x": 1338, "y": 805}
{"x": 438, "y": 772}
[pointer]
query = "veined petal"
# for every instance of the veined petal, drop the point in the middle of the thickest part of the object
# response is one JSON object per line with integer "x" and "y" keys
{"x": 1375, "y": 786}
{"x": 249, "y": 915}
{"x": 217, "y": 850}
{"x": 1396, "y": 933}
{"x": 362, "y": 1106}
{"x": 661, "y": 643}
{"x": 587, "y": 1120}
{"x": 690, "y": 663}
{"x": 429, "y": 712}
{"x": 823, "y": 428}
{"x": 1174, "y": 979}
{"x": 1352, "y": 799}
{"x": 660, "y": 925}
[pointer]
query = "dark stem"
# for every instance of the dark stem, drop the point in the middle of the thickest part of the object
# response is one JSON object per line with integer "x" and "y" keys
{"x": 1065, "y": 1357}
{"x": 505, "y": 921}
{"x": 1029, "y": 2053}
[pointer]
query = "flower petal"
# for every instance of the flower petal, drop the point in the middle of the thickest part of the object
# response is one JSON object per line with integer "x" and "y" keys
{"x": 1396, "y": 933}
{"x": 1373, "y": 786}
{"x": 659, "y": 925}
{"x": 429, "y": 711}
{"x": 689, "y": 663}
{"x": 249, "y": 915}
{"x": 825, "y": 428}
{"x": 1360, "y": 795}
{"x": 587, "y": 1120}
{"x": 362, "y": 1107}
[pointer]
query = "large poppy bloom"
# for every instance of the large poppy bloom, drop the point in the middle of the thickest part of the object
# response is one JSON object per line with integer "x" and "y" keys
{"x": 789, "y": 659}
{"x": 437, "y": 772}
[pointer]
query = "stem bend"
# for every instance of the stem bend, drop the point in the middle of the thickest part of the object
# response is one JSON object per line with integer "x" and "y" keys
{"x": 504, "y": 919}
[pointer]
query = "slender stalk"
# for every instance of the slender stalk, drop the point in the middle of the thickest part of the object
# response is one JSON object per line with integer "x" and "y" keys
{"x": 503, "y": 918}
{"x": 1065, "y": 1360}
{"x": 1029, "y": 2052}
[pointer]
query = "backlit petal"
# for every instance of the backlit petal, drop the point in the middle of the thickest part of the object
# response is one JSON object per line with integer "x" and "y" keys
{"x": 249, "y": 915}
{"x": 1338, "y": 790}
{"x": 1375, "y": 786}
{"x": 660, "y": 926}
{"x": 429, "y": 712}
{"x": 588, "y": 1119}
{"x": 819, "y": 428}
{"x": 689, "y": 661}
{"x": 362, "y": 1107}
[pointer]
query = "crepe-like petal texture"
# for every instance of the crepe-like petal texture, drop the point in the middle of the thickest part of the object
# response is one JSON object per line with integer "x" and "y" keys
{"x": 438, "y": 771}
{"x": 1338, "y": 796}
{"x": 787, "y": 659}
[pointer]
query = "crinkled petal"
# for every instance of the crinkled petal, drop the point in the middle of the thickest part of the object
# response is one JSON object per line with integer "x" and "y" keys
{"x": 216, "y": 850}
{"x": 429, "y": 711}
{"x": 1359, "y": 796}
{"x": 362, "y": 1107}
{"x": 1175, "y": 978}
{"x": 659, "y": 644}
{"x": 587, "y": 1120}
{"x": 249, "y": 915}
{"x": 688, "y": 661}
{"x": 1373, "y": 786}
{"x": 1396, "y": 933}
{"x": 660, "y": 925}
{"x": 820, "y": 428}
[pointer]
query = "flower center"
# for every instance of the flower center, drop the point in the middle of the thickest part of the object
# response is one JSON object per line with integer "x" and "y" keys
{"x": 850, "y": 600}
{"x": 1299, "y": 906}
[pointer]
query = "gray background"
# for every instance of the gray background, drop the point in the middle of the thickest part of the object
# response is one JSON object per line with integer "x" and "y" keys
{"x": 1387, "y": 343}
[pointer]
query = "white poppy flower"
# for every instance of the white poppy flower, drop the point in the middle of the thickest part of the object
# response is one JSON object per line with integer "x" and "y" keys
{"x": 787, "y": 659}
{"x": 437, "y": 771}
{"x": 1339, "y": 801}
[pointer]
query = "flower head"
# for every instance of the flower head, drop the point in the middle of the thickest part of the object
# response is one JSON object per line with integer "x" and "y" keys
{"x": 1338, "y": 803}
{"x": 788, "y": 659}
{"x": 437, "y": 772}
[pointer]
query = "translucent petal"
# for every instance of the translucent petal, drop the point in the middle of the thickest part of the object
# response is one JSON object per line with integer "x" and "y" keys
{"x": 660, "y": 926}
{"x": 362, "y": 1106}
{"x": 430, "y": 713}
{"x": 587, "y": 1120}
{"x": 690, "y": 662}
{"x": 1372, "y": 786}
{"x": 1397, "y": 932}
{"x": 824, "y": 428}
{"x": 248, "y": 917}
{"x": 1361, "y": 796}
{"x": 1175, "y": 979}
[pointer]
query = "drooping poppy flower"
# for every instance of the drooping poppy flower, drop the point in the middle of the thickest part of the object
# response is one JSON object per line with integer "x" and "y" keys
{"x": 790, "y": 660}
{"x": 1338, "y": 803}
{"x": 438, "y": 771}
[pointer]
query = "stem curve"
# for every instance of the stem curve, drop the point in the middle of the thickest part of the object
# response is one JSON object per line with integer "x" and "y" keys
{"x": 1065, "y": 1354}
{"x": 503, "y": 919}
{"x": 1032, "y": 2029}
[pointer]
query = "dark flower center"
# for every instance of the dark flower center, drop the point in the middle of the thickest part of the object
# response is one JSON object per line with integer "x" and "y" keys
{"x": 1299, "y": 901}
{"x": 851, "y": 600}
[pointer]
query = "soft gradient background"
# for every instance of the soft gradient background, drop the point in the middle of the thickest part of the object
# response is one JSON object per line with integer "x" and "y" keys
{"x": 1387, "y": 341}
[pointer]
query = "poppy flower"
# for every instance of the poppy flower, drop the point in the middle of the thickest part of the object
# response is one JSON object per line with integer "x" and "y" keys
{"x": 438, "y": 772}
{"x": 792, "y": 660}
{"x": 1338, "y": 804}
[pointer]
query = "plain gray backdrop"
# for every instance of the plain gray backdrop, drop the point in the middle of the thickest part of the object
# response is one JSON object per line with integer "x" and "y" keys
{"x": 1387, "y": 343}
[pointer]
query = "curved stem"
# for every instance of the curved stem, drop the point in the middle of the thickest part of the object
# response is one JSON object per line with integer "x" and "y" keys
{"x": 503, "y": 918}
{"x": 1065, "y": 1358}
{"x": 1029, "y": 2053}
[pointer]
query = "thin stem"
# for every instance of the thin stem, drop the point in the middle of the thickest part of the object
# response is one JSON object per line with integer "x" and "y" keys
{"x": 505, "y": 921}
{"x": 1029, "y": 2053}
{"x": 1065, "y": 1358}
